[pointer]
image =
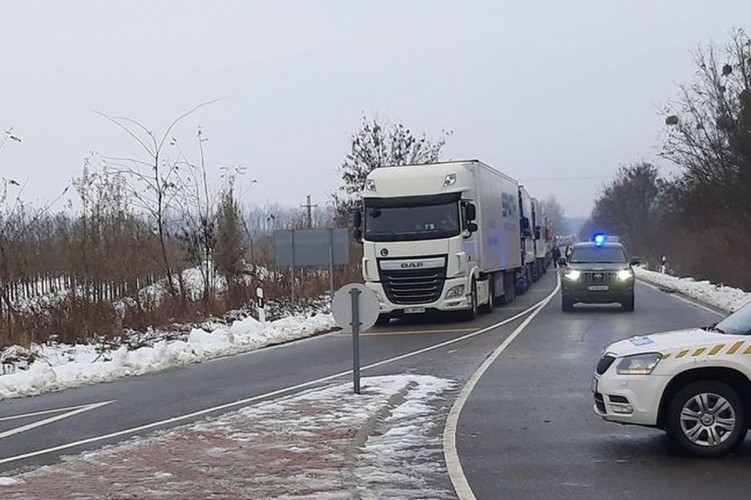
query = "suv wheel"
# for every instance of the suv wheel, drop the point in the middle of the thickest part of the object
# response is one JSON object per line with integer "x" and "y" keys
{"x": 628, "y": 305}
{"x": 706, "y": 419}
{"x": 567, "y": 304}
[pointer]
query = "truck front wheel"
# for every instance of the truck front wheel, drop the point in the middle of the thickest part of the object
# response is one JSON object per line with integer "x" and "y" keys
{"x": 473, "y": 308}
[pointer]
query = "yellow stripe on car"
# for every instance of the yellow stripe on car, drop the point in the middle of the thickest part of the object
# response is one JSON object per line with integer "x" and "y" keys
{"x": 699, "y": 351}
{"x": 747, "y": 351}
{"x": 716, "y": 349}
{"x": 735, "y": 347}
{"x": 682, "y": 354}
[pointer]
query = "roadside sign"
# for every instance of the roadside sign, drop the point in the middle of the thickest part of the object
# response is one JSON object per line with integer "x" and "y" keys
{"x": 367, "y": 303}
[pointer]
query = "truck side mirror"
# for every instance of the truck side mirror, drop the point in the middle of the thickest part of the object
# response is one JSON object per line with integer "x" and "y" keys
{"x": 357, "y": 233}
{"x": 472, "y": 227}
{"x": 471, "y": 214}
{"x": 357, "y": 218}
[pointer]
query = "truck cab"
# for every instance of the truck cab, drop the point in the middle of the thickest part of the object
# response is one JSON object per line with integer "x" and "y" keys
{"x": 427, "y": 240}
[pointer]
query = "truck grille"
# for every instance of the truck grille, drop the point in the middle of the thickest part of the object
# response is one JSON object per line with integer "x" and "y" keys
{"x": 413, "y": 286}
{"x": 597, "y": 277}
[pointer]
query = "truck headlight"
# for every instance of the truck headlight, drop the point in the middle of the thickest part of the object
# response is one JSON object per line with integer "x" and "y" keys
{"x": 455, "y": 291}
{"x": 573, "y": 275}
{"x": 638, "y": 364}
{"x": 625, "y": 274}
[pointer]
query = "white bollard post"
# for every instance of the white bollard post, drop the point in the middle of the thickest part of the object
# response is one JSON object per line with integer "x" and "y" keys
{"x": 261, "y": 306}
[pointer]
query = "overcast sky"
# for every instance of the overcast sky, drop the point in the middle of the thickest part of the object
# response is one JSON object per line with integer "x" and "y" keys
{"x": 555, "y": 93}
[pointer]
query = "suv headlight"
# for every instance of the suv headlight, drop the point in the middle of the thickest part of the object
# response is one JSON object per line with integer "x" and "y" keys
{"x": 625, "y": 274}
{"x": 638, "y": 364}
{"x": 573, "y": 274}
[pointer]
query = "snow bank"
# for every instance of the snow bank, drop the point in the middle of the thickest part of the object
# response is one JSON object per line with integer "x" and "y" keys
{"x": 60, "y": 367}
{"x": 723, "y": 297}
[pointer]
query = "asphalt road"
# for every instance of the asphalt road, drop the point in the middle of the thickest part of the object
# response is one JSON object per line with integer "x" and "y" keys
{"x": 138, "y": 405}
{"x": 528, "y": 430}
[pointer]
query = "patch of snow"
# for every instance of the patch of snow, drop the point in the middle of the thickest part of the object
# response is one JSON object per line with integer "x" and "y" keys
{"x": 324, "y": 444}
{"x": 9, "y": 481}
{"x": 723, "y": 297}
{"x": 60, "y": 366}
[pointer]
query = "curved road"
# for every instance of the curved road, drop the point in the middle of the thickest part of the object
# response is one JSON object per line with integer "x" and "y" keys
{"x": 528, "y": 430}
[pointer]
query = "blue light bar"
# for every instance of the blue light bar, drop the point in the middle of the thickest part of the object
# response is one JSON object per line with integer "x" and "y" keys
{"x": 599, "y": 239}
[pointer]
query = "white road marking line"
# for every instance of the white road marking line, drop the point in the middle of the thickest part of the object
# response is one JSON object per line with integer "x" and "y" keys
{"x": 681, "y": 297}
{"x": 278, "y": 392}
{"x": 453, "y": 463}
{"x": 46, "y": 421}
{"x": 40, "y": 413}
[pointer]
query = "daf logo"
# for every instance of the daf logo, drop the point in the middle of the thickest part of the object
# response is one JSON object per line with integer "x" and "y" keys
{"x": 384, "y": 252}
{"x": 408, "y": 265}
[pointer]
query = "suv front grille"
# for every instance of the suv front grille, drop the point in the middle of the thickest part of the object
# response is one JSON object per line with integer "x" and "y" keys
{"x": 413, "y": 286}
{"x": 597, "y": 277}
{"x": 604, "y": 364}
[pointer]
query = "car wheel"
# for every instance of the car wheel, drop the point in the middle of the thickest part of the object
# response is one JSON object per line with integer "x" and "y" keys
{"x": 706, "y": 419}
{"x": 567, "y": 304}
{"x": 628, "y": 305}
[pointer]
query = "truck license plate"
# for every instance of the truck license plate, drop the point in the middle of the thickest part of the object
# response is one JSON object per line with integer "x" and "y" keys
{"x": 414, "y": 310}
{"x": 599, "y": 288}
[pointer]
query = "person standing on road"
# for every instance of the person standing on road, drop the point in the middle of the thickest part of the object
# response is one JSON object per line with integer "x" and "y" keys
{"x": 556, "y": 255}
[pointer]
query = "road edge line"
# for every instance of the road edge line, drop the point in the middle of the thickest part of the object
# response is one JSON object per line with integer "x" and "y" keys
{"x": 450, "y": 453}
{"x": 685, "y": 298}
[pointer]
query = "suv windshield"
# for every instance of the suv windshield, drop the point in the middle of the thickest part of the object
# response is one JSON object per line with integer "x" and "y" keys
{"x": 422, "y": 222}
{"x": 738, "y": 323}
{"x": 601, "y": 255}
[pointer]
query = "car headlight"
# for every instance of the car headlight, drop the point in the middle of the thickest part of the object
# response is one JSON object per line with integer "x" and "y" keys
{"x": 573, "y": 275}
{"x": 455, "y": 291}
{"x": 638, "y": 364}
{"x": 625, "y": 274}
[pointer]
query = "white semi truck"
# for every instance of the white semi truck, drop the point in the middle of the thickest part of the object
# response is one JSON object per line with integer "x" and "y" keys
{"x": 440, "y": 237}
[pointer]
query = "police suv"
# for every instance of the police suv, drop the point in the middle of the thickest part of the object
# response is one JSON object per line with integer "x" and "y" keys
{"x": 694, "y": 384}
{"x": 597, "y": 272}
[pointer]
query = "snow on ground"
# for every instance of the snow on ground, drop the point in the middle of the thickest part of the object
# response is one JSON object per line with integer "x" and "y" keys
{"x": 324, "y": 444}
{"x": 723, "y": 297}
{"x": 55, "y": 367}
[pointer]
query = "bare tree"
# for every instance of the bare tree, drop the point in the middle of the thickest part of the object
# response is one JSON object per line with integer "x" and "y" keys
{"x": 156, "y": 181}
{"x": 378, "y": 144}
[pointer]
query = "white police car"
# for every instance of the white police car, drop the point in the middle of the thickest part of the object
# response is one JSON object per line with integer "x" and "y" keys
{"x": 695, "y": 384}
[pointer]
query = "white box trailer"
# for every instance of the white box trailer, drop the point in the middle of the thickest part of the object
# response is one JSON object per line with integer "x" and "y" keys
{"x": 441, "y": 236}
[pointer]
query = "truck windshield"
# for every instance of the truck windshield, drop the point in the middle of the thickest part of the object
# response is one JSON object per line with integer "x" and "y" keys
{"x": 599, "y": 255}
{"x": 420, "y": 222}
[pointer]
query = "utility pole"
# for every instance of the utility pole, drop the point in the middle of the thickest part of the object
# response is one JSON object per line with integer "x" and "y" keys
{"x": 309, "y": 207}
